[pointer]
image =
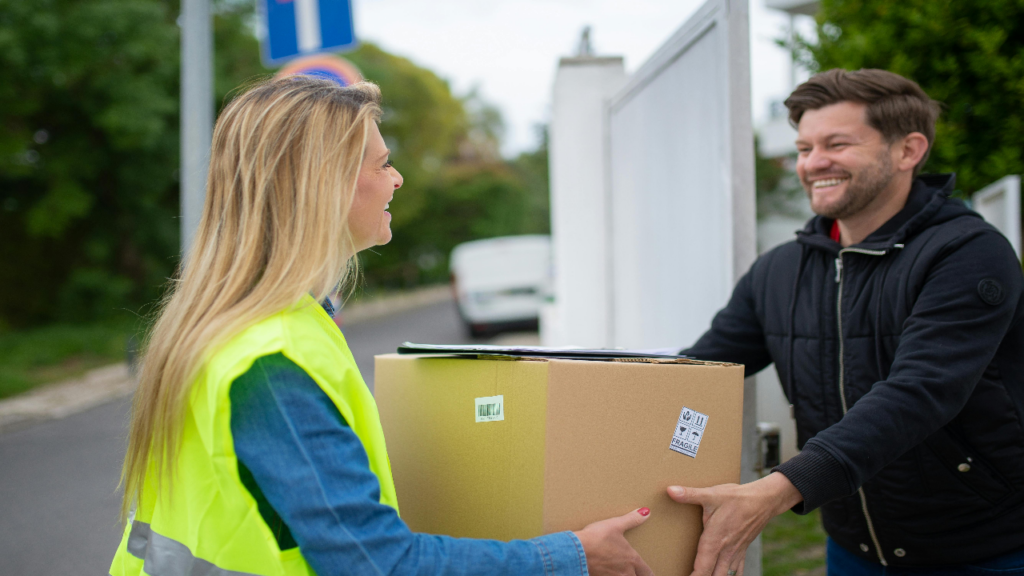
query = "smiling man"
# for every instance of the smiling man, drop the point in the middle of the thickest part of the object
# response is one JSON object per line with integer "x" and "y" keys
{"x": 896, "y": 322}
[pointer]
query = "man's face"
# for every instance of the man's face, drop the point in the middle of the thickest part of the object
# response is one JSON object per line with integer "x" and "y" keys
{"x": 843, "y": 163}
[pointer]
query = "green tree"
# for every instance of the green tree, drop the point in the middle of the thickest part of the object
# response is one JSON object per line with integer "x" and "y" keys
{"x": 89, "y": 110}
{"x": 89, "y": 156}
{"x": 533, "y": 171}
{"x": 89, "y": 151}
{"x": 967, "y": 54}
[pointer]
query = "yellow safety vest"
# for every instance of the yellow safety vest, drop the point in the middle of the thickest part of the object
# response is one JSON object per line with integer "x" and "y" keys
{"x": 208, "y": 522}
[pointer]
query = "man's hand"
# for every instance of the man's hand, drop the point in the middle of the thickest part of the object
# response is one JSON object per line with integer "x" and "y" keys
{"x": 733, "y": 516}
{"x": 608, "y": 552}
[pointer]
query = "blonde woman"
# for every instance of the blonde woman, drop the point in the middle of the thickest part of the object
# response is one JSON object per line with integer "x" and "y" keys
{"x": 255, "y": 446}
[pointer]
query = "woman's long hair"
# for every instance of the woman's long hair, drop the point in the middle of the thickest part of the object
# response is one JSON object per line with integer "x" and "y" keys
{"x": 283, "y": 168}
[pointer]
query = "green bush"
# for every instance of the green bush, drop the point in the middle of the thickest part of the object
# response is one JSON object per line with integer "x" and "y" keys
{"x": 35, "y": 356}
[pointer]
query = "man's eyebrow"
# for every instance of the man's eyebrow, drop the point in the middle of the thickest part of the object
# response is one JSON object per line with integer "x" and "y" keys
{"x": 828, "y": 137}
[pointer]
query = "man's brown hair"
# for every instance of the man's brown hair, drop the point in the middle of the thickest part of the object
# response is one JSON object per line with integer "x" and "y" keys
{"x": 896, "y": 106}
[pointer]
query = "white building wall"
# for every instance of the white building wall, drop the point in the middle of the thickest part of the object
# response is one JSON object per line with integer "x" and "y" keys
{"x": 681, "y": 182}
{"x": 579, "y": 314}
{"x": 777, "y": 138}
{"x": 999, "y": 204}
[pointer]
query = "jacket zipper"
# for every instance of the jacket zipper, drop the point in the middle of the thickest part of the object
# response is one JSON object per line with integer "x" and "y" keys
{"x": 842, "y": 390}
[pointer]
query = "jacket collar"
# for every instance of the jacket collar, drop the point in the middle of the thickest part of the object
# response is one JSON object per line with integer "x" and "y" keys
{"x": 928, "y": 194}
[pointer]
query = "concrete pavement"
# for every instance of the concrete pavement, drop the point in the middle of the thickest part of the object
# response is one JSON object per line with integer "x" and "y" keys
{"x": 58, "y": 493}
{"x": 65, "y": 398}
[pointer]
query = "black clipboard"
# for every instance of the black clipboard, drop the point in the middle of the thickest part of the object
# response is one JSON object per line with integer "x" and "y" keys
{"x": 532, "y": 351}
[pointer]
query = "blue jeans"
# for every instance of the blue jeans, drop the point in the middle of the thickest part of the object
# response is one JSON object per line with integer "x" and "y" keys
{"x": 844, "y": 563}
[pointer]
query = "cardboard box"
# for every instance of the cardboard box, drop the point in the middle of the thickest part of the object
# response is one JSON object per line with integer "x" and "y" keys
{"x": 517, "y": 448}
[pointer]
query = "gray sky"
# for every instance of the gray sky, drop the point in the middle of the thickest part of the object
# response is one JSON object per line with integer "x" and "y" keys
{"x": 509, "y": 49}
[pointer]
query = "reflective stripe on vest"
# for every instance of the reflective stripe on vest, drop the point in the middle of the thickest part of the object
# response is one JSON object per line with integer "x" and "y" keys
{"x": 166, "y": 557}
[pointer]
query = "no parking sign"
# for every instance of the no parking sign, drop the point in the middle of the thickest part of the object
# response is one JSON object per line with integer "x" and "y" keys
{"x": 296, "y": 28}
{"x": 326, "y": 66}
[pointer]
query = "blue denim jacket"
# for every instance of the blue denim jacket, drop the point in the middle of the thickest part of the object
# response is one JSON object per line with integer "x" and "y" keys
{"x": 309, "y": 474}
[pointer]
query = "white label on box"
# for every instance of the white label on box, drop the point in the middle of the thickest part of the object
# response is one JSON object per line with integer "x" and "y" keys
{"x": 490, "y": 408}
{"x": 689, "y": 430}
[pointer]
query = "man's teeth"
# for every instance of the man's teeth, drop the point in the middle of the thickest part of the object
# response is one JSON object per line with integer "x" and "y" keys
{"x": 829, "y": 182}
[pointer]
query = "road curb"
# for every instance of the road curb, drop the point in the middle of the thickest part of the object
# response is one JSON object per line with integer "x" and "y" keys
{"x": 388, "y": 305}
{"x": 51, "y": 401}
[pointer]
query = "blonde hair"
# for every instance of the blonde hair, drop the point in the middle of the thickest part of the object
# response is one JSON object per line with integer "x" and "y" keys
{"x": 283, "y": 168}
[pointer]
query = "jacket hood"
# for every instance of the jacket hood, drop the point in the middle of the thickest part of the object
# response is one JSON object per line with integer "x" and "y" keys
{"x": 929, "y": 204}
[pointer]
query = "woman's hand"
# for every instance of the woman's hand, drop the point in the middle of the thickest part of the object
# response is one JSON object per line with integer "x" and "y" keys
{"x": 608, "y": 553}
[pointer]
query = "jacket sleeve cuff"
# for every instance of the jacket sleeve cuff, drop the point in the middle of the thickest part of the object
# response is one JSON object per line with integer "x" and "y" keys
{"x": 818, "y": 476}
{"x": 561, "y": 554}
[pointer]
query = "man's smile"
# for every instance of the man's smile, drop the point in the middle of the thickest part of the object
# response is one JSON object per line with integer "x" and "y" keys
{"x": 828, "y": 182}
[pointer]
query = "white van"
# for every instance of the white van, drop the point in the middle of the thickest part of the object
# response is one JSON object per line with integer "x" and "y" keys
{"x": 500, "y": 283}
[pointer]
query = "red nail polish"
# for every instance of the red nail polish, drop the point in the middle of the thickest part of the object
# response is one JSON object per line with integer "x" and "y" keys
{"x": 644, "y": 511}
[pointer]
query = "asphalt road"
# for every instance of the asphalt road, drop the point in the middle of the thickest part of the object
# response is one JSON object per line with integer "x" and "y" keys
{"x": 58, "y": 479}
{"x": 434, "y": 324}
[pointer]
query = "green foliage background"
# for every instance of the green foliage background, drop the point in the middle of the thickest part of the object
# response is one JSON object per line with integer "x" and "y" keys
{"x": 89, "y": 157}
{"x": 967, "y": 54}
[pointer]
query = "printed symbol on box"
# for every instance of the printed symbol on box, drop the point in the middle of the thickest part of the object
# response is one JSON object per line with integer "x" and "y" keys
{"x": 689, "y": 431}
{"x": 490, "y": 408}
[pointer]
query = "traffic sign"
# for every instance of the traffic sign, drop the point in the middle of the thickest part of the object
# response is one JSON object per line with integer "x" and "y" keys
{"x": 326, "y": 66}
{"x": 294, "y": 28}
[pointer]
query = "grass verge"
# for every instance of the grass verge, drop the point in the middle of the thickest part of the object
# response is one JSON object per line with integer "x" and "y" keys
{"x": 793, "y": 545}
{"x": 37, "y": 356}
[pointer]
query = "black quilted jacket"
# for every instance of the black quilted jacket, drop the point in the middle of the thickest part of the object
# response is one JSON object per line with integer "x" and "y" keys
{"x": 903, "y": 357}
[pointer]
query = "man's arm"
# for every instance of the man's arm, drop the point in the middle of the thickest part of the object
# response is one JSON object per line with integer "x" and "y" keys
{"x": 736, "y": 334}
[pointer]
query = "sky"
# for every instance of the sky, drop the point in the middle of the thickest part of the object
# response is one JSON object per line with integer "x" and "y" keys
{"x": 509, "y": 49}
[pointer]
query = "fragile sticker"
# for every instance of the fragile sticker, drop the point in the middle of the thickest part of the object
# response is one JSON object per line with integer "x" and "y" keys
{"x": 689, "y": 430}
{"x": 490, "y": 408}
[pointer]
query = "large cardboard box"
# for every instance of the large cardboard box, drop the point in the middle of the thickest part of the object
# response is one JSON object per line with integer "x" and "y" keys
{"x": 517, "y": 448}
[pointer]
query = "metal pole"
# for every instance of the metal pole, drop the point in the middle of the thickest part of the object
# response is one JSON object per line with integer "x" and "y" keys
{"x": 750, "y": 460}
{"x": 792, "y": 51}
{"x": 744, "y": 222}
{"x": 196, "y": 112}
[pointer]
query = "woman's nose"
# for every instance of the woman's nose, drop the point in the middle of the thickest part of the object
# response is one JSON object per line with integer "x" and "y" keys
{"x": 398, "y": 179}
